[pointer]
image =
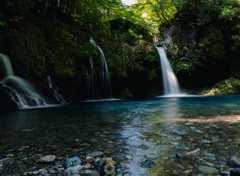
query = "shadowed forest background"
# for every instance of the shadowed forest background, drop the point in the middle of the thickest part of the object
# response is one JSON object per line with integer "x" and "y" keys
{"x": 51, "y": 37}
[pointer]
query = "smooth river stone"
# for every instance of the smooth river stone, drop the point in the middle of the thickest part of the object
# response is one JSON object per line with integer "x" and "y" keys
{"x": 89, "y": 173}
{"x": 47, "y": 159}
{"x": 207, "y": 170}
{"x": 189, "y": 123}
{"x": 177, "y": 132}
{"x": 152, "y": 156}
{"x": 71, "y": 162}
{"x": 96, "y": 154}
{"x": 199, "y": 132}
{"x": 235, "y": 172}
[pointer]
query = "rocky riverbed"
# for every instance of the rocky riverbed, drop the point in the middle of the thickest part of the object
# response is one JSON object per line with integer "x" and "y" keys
{"x": 139, "y": 141}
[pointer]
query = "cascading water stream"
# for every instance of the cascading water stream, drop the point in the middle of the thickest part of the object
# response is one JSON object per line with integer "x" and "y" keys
{"x": 57, "y": 95}
{"x": 22, "y": 93}
{"x": 170, "y": 81}
{"x": 104, "y": 78}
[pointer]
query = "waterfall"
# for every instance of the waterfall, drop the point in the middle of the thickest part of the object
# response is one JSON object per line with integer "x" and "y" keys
{"x": 22, "y": 93}
{"x": 170, "y": 81}
{"x": 104, "y": 82}
{"x": 57, "y": 95}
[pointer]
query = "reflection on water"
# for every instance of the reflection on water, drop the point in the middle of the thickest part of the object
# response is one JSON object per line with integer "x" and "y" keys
{"x": 130, "y": 131}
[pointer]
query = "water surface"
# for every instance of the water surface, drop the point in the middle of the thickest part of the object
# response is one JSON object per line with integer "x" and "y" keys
{"x": 131, "y": 131}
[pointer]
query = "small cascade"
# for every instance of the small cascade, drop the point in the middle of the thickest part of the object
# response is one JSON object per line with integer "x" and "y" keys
{"x": 99, "y": 86}
{"x": 22, "y": 93}
{"x": 170, "y": 81}
{"x": 57, "y": 95}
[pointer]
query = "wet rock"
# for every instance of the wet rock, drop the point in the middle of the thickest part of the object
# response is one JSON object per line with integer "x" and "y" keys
{"x": 178, "y": 155}
{"x": 20, "y": 157}
{"x": 186, "y": 172}
{"x": 199, "y": 132}
{"x": 225, "y": 173}
{"x": 235, "y": 172}
{"x": 6, "y": 161}
{"x": 233, "y": 162}
{"x": 71, "y": 162}
{"x": 51, "y": 171}
{"x": 209, "y": 155}
{"x": 96, "y": 154}
{"x": 193, "y": 153}
{"x": 177, "y": 166}
{"x": 73, "y": 170}
{"x": 206, "y": 142}
{"x": 89, "y": 173}
{"x": 177, "y": 132}
{"x": 58, "y": 172}
{"x": 128, "y": 157}
{"x": 42, "y": 171}
{"x": 175, "y": 172}
{"x": 35, "y": 172}
{"x": 87, "y": 166}
{"x": 152, "y": 156}
{"x": 189, "y": 123}
{"x": 109, "y": 161}
{"x": 109, "y": 169}
{"x": 143, "y": 147}
{"x": 147, "y": 164}
{"x": 207, "y": 170}
{"x": 11, "y": 150}
{"x": 98, "y": 163}
{"x": 209, "y": 164}
{"x": 47, "y": 159}
{"x": 89, "y": 159}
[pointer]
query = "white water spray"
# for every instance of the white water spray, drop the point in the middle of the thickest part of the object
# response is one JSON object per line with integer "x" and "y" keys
{"x": 170, "y": 81}
{"x": 22, "y": 93}
{"x": 57, "y": 95}
{"x": 105, "y": 83}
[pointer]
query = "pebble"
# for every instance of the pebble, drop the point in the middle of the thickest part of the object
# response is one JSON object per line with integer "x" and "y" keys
{"x": 199, "y": 132}
{"x": 109, "y": 161}
{"x": 189, "y": 123}
{"x": 98, "y": 163}
{"x": 73, "y": 170}
{"x": 71, "y": 162}
{"x": 175, "y": 172}
{"x": 96, "y": 154}
{"x": 177, "y": 132}
{"x": 89, "y": 173}
{"x": 47, "y": 159}
{"x": 147, "y": 164}
{"x": 207, "y": 170}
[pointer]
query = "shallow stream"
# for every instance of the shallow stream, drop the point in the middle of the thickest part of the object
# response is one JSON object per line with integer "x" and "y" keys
{"x": 132, "y": 131}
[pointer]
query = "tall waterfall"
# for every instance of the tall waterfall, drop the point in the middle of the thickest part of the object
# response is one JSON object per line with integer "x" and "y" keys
{"x": 57, "y": 95}
{"x": 99, "y": 86}
{"x": 170, "y": 81}
{"x": 20, "y": 90}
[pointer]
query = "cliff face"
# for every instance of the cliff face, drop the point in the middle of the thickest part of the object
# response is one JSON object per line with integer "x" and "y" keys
{"x": 6, "y": 101}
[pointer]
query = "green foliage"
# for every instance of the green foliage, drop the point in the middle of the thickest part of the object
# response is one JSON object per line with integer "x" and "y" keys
{"x": 125, "y": 94}
{"x": 152, "y": 74}
{"x": 225, "y": 87}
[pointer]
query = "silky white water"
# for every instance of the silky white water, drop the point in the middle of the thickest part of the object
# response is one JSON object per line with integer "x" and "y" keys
{"x": 103, "y": 82}
{"x": 22, "y": 93}
{"x": 170, "y": 81}
{"x": 57, "y": 95}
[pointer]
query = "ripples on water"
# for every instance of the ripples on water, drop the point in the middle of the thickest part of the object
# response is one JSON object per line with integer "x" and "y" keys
{"x": 129, "y": 131}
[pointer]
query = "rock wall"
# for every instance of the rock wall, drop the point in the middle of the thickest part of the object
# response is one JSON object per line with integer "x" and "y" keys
{"x": 6, "y": 102}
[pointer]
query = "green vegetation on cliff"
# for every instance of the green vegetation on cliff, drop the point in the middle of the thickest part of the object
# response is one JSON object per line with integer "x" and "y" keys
{"x": 44, "y": 37}
{"x": 52, "y": 38}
